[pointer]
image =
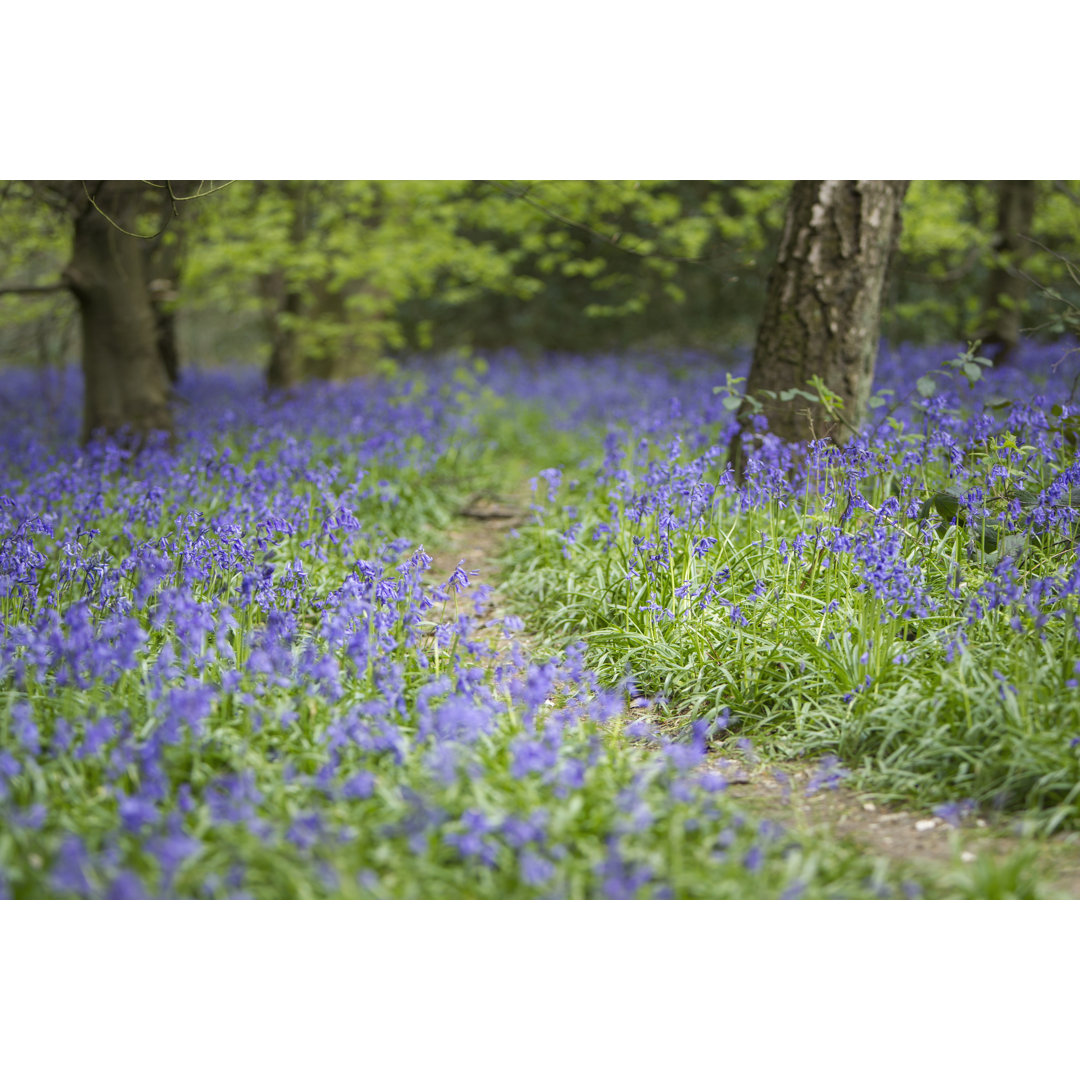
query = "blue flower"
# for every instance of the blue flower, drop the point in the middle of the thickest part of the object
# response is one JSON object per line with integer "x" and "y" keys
{"x": 137, "y": 813}
{"x": 535, "y": 869}
{"x": 69, "y": 870}
{"x": 705, "y": 544}
{"x": 459, "y": 578}
{"x": 24, "y": 729}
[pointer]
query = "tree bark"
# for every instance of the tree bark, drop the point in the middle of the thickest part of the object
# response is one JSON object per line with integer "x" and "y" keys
{"x": 284, "y": 368}
{"x": 126, "y": 388}
{"x": 1007, "y": 287}
{"x": 823, "y": 306}
{"x": 163, "y": 304}
{"x": 162, "y": 260}
{"x": 341, "y": 343}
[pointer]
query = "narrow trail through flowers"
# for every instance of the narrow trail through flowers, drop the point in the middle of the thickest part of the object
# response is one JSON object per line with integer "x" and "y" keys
{"x": 798, "y": 795}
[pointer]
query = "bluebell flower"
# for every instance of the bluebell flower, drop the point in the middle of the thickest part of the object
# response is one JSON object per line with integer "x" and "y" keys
{"x": 136, "y": 813}
{"x": 828, "y": 775}
{"x": 535, "y": 870}
{"x": 518, "y": 832}
{"x": 10, "y": 767}
{"x": 31, "y": 818}
{"x": 703, "y": 545}
{"x": 126, "y": 886}
{"x": 955, "y": 813}
{"x": 459, "y": 579}
{"x": 24, "y": 729}
{"x": 69, "y": 870}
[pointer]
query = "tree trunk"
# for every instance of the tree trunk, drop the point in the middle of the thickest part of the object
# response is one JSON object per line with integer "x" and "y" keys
{"x": 342, "y": 342}
{"x": 286, "y": 300}
{"x": 325, "y": 352}
{"x": 1007, "y": 288}
{"x": 823, "y": 306}
{"x": 163, "y": 272}
{"x": 283, "y": 368}
{"x": 163, "y": 300}
{"x": 126, "y": 388}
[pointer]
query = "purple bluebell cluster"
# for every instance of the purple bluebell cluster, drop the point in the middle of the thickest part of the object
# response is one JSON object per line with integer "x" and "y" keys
{"x": 664, "y": 491}
{"x": 226, "y": 672}
{"x": 850, "y": 587}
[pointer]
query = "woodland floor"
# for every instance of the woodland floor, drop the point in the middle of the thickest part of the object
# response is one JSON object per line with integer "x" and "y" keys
{"x": 899, "y": 833}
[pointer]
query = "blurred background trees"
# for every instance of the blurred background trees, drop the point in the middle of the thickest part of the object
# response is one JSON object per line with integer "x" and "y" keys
{"x": 328, "y": 279}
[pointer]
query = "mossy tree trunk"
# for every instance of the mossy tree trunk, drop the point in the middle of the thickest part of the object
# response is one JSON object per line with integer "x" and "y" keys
{"x": 1007, "y": 288}
{"x": 126, "y": 386}
{"x": 823, "y": 306}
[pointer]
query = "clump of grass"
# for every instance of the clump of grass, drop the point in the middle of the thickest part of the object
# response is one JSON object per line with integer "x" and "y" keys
{"x": 909, "y": 602}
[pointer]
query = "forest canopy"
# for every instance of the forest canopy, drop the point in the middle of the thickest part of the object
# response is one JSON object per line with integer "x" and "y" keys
{"x": 332, "y": 277}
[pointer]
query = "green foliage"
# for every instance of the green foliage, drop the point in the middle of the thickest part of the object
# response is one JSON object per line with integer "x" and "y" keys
{"x": 568, "y": 264}
{"x": 940, "y": 276}
{"x": 395, "y": 266}
{"x": 34, "y": 248}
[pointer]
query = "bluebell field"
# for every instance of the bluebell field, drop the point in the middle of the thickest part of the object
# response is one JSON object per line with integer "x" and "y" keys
{"x": 226, "y": 670}
{"x": 907, "y": 603}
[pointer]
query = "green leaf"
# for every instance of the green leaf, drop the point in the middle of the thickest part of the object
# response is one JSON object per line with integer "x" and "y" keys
{"x": 926, "y": 386}
{"x": 1026, "y": 499}
{"x": 945, "y": 503}
{"x": 732, "y": 403}
{"x": 1069, "y": 499}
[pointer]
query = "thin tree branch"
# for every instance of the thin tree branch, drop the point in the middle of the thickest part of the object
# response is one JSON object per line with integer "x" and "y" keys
{"x": 1059, "y": 185}
{"x": 173, "y": 200}
{"x": 199, "y": 193}
{"x": 120, "y": 228}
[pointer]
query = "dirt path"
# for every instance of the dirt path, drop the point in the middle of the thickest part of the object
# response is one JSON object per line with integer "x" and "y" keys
{"x": 483, "y": 525}
{"x": 780, "y": 792}
{"x": 919, "y": 838}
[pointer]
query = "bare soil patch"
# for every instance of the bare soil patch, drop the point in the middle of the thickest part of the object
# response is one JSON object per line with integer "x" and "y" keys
{"x": 483, "y": 523}
{"x": 474, "y": 543}
{"x": 917, "y": 837}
